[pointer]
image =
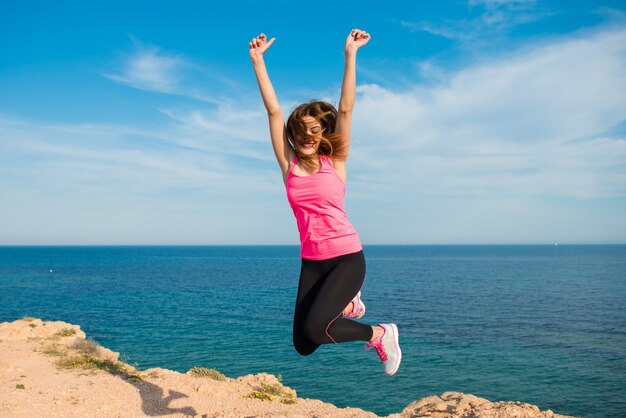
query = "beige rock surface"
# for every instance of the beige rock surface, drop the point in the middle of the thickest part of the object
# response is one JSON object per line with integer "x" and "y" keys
{"x": 49, "y": 369}
{"x": 457, "y": 404}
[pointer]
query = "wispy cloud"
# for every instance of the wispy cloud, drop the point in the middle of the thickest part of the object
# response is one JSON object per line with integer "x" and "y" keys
{"x": 511, "y": 5}
{"x": 62, "y": 179}
{"x": 530, "y": 123}
{"x": 474, "y": 146}
{"x": 148, "y": 67}
{"x": 501, "y": 14}
{"x": 494, "y": 17}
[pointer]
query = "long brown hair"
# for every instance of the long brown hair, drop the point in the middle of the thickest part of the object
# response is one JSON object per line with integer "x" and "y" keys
{"x": 330, "y": 144}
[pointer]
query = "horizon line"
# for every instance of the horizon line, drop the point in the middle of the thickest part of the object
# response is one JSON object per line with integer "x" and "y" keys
{"x": 554, "y": 244}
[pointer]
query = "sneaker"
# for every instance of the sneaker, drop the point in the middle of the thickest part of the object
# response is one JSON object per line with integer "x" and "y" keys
{"x": 388, "y": 348}
{"x": 358, "y": 308}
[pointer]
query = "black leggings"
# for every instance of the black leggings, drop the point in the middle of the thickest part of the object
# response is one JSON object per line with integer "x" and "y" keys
{"x": 325, "y": 289}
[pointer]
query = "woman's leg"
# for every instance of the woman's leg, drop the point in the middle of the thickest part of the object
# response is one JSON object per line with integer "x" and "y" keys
{"x": 311, "y": 279}
{"x": 343, "y": 278}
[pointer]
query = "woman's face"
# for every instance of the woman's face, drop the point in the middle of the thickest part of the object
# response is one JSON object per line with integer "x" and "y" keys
{"x": 309, "y": 146}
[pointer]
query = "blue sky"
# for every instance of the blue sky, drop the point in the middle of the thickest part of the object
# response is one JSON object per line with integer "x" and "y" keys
{"x": 476, "y": 121}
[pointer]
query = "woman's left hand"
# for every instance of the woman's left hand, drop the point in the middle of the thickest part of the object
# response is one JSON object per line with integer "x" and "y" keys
{"x": 356, "y": 40}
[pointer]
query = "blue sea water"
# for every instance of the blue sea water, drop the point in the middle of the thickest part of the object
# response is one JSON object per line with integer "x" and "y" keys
{"x": 539, "y": 324}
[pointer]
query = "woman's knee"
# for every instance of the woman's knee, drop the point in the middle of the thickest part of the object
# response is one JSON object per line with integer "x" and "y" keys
{"x": 304, "y": 351}
{"x": 303, "y": 346}
{"x": 315, "y": 331}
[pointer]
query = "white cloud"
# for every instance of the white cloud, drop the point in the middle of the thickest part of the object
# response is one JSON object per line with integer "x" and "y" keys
{"x": 106, "y": 184}
{"x": 494, "y": 4}
{"x": 526, "y": 124}
{"x": 478, "y": 155}
{"x": 495, "y": 16}
{"x": 149, "y": 68}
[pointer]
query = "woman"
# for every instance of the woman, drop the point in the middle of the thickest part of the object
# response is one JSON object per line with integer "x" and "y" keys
{"x": 311, "y": 151}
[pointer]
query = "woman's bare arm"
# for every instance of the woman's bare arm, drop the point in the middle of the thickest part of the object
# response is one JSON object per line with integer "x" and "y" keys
{"x": 282, "y": 148}
{"x": 355, "y": 40}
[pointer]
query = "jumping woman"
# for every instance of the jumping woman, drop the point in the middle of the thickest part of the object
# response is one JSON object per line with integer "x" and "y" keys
{"x": 311, "y": 150}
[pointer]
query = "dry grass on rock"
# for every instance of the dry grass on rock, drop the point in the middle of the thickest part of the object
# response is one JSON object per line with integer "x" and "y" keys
{"x": 206, "y": 373}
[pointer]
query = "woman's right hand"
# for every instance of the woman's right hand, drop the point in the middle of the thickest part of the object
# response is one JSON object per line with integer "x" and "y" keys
{"x": 259, "y": 45}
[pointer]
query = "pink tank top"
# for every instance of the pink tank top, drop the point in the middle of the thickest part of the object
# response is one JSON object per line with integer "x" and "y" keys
{"x": 317, "y": 201}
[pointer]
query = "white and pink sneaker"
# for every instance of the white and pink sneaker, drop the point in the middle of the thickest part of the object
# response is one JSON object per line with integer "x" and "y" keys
{"x": 388, "y": 348}
{"x": 358, "y": 308}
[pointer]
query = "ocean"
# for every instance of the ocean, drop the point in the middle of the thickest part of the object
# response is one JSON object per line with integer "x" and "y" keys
{"x": 542, "y": 324}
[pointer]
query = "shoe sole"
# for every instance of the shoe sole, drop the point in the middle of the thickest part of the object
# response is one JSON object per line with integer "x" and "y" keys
{"x": 394, "y": 328}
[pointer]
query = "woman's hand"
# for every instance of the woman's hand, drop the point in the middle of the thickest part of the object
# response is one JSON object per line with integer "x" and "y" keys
{"x": 356, "y": 40}
{"x": 259, "y": 45}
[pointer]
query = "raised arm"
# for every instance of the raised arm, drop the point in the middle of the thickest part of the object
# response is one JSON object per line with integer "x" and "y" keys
{"x": 282, "y": 148}
{"x": 356, "y": 39}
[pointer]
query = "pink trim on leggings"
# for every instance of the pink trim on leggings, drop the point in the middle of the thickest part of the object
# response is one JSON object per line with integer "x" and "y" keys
{"x": 340, "y": 314}
{"x": 329, "y": 324}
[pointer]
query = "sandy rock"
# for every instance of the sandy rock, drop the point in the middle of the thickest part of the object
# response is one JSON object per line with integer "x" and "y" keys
{"x": 457, "y": 404}
{"x": 103, "y": 352}
{"x": 255, "y": 381}
{"x": 159, "y": 373}
{"x": 5, "y": 367}
{"x": 23, "y": 329}
{"x": 30, "y": 349}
